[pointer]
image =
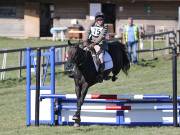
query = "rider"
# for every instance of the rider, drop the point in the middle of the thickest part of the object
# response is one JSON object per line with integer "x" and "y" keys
{"x": 94, "y": 38}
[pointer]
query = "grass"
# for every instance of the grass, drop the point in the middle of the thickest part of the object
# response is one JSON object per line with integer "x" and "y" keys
{"x": 13, "y": 58}
{"x": 149, "y": 77}
{"x": 7, "y": 43}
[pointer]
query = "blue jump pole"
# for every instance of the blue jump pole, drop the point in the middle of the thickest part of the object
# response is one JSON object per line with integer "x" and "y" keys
{"x": 28, "y": 85}
{"x": 52, "y": 63}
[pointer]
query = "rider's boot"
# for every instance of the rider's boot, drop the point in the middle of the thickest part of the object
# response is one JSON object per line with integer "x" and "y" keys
{"x": 100, "y": 76}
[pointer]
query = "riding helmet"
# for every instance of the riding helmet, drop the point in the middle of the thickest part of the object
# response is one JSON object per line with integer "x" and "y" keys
{"x": 99, "y": 15}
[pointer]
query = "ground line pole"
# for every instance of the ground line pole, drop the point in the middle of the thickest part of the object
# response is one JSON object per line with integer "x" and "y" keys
{"x": 38, "y": 63}
{"x": 174, "y": 77}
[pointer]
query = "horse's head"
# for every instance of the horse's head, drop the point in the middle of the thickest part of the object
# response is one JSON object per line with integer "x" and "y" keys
{"x": 71, "y": 57}
{"x": 75, "y": 56}
{"x": 72, "y": 53}
{"x": 75, "y": 52}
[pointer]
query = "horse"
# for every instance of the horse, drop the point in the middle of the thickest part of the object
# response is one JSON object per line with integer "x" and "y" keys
{"x": 85, "y": 72}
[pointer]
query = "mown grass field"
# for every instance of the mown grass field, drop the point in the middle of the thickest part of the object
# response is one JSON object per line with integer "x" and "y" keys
{"x": 149, "y": 77}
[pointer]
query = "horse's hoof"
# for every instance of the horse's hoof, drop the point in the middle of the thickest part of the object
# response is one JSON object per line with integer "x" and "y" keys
{"x": 114, "y": 78}
{"x": 76, "y": 118}
{"x": 76, "y": 125}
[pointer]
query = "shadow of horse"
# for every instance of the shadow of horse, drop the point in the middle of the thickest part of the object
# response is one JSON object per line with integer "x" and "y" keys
{"x": 148, "y": 63}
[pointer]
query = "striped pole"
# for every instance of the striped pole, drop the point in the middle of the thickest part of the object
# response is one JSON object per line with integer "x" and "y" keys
{"x": 109, "y": 97}
{"x": 110, "y": 107}
{"x": 116, "y": 107}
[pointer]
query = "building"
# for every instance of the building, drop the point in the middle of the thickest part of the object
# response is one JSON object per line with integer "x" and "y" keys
{"x": 34, "y": 18}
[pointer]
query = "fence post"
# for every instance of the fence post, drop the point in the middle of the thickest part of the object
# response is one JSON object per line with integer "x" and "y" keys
{"x": 138, "y": 48}
{"x": 43, "y": 62}
{"x": 167, "y": 43}
{"x": 38, "y": 66}
{"x": 4, "y": 66}
{"x": 178, "y": 39}
{"x": 174, "y": 78}
{"x": 152, "y": 46}
{"x": 20, "y": 64}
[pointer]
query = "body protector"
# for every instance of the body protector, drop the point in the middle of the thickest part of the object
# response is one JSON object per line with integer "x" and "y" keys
{"x": 136, "y": 33}
{"x": 97, "y": 35}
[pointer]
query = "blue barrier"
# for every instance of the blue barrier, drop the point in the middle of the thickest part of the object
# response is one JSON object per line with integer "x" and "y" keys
{"x": 49, "y": 89}
{"x": 143, "y": 110}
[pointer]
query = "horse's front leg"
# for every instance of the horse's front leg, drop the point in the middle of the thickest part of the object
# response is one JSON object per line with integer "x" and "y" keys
{"x": 80, "y": 101}
{"x": 76, "y": 116}
{"x": 78, "y": 95}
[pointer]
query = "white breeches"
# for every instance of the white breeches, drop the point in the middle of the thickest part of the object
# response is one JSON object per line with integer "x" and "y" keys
{"x": 97, "y": 49}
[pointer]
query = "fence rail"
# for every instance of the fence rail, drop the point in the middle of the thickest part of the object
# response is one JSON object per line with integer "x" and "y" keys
{"x": 159, "y": 34}
{"x": 21, "y": 66}
{"x": 172, "y": 37}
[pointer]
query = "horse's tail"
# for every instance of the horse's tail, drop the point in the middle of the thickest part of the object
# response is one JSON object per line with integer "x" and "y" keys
{"x": 120, "y": 58}
{"x": 125, "y": 60}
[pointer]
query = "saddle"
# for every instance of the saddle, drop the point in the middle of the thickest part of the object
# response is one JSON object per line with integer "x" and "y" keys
{"x": 108, "y": 63}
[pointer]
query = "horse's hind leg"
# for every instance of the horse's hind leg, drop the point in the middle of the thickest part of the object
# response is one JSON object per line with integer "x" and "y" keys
{"x": 114, "y": 78}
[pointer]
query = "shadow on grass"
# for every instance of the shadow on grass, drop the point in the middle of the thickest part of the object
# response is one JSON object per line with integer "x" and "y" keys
{"x": 12, "y": 82}
{"x": 148, "y": 63}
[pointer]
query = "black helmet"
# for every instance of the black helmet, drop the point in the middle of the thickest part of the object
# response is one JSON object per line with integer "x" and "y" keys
{"x": 99, "y": 15}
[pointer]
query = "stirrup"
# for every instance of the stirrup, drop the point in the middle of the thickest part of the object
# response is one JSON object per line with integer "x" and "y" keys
{"x": 100, "y": 78}
{"x": 101, "y": 68}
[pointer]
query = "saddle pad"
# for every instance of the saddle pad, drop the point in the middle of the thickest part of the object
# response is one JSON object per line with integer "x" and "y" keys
{"x": 107, "y": 60}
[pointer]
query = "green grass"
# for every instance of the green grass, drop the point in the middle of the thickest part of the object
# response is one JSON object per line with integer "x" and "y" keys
{"x": 23, "y": 43}
{"x": 149, "y": 77}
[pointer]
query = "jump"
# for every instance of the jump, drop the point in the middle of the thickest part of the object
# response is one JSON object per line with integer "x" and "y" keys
{"x": 85, "y": 73}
